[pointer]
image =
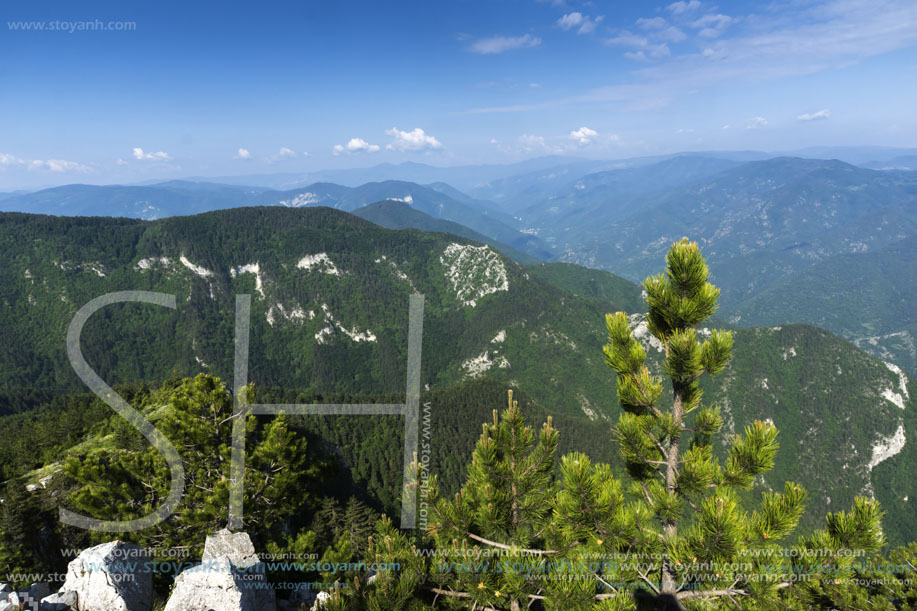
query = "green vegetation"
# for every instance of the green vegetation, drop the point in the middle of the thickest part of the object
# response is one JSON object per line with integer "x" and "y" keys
{"x": 594, "y": 283}
{"x": 131, "y": 479}
{"x": 399, "y": 215}
{"x": 838, "y": 410}
{"x": 828, "y": 399}
{"x": 865, "y": 297}
{"x": 676, "y": 536}
{"x": 54, "y": 266}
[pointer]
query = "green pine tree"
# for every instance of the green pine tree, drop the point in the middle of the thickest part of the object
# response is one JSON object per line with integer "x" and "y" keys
{"x": 197, "y": 415}
{"x": 703, "y": 532}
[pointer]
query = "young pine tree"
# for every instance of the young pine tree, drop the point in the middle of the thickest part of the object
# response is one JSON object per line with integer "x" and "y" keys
{"x": 196, "y": 414}
{"x": 703, "y": 533}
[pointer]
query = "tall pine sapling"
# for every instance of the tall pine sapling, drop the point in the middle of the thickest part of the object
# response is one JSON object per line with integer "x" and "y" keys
{"x": 703, "y": 532}
{"x": 505, "y": 506}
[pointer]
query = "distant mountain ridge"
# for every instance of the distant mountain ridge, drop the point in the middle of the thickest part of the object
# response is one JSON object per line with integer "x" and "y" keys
{"x": 400, "y": 215}
{"x": 866, "y": 297}
{"x": 757, "y": 222}
{"x": 175, "y": 198}
{"x": 772, "y": 230}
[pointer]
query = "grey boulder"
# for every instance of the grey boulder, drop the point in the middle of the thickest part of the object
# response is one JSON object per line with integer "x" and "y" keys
{"x": 229, "y": 578}
{"x": 62, "y": 601}
{"x": 114, "y": 576}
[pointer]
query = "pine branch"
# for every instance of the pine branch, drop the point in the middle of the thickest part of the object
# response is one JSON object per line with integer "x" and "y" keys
{"x": 605, "y": 583}
{"x": 727, "y": 592}
{"x": 648, "y": 582}
{"x": 537, "y": 552}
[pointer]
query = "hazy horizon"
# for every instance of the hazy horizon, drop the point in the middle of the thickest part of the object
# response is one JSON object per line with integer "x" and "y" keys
{"x": 856, "y": 155}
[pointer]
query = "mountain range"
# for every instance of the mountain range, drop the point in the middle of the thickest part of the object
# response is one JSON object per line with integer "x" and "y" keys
{"x": 175, "y": 198}
{"x": 772, "y": 231}
{"x": 771, "y": 228}
{"x": 329, "y": 312}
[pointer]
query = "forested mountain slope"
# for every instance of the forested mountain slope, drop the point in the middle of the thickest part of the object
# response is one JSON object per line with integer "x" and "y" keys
{"x": 400, "y": 215}
{"x": 329, "y": 314}
{"x": 865, "y": 297}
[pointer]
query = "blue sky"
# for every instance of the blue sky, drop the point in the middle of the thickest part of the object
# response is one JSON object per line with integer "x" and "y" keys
{"x": 173, "y": 89}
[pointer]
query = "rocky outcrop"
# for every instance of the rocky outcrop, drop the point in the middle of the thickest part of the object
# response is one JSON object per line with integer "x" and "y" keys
{"x": 6, "y": 593}
{"x": 114, "y": 576}
{"x": 229, "y": 578}
{"x": 9, "y": 601}
{"x": 62, "y": 601}
{"x": 235, "y": 547}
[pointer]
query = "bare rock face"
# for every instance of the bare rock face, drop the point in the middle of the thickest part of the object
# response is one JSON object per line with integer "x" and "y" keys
{"x": 62, "y": 601}
{"x": 114, "y": 576}
{"x": 237, "y": 547}
{"x": 229, "y": 578}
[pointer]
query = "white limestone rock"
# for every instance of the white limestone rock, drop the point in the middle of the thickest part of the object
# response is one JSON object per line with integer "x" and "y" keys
{"x": 229, "y": 578}
{"x": 62, "y": 601}
{"x": 114, "y": 576}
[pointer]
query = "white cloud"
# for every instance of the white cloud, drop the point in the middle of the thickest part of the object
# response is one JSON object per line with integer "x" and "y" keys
{"x": 712, "y": 26}
{"x": 670, "y": 34}
{"x": 756, "y": 123}
{"x": 142, "y": 156}
{"x": 583, "y": 24}
{"x": 642, "y": 48}
{"x": 570, "y": 21}
{"x": 243, "y": 154}
{"x": 51, "y": 165}
{"x": 121, "y": 162}
{"x": 415, "y": 140}
{"x": 530, "y": 143}
{"x": 355, "y": 145}
{"x": 583, "y": 135}
{"x": 806, "y": 38}
{"x": 637, "y": 56}
{"x": 655, "y": 23}
{"x": 627, "y": 39}
{"x": 677, "y": 8}
{"x": 58, "y": 165}
{"x": 718, "y": 53}
{"x": 499, "y": 44}
{"x": 824, "y": 113}
{"x": 283, "y": 153}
